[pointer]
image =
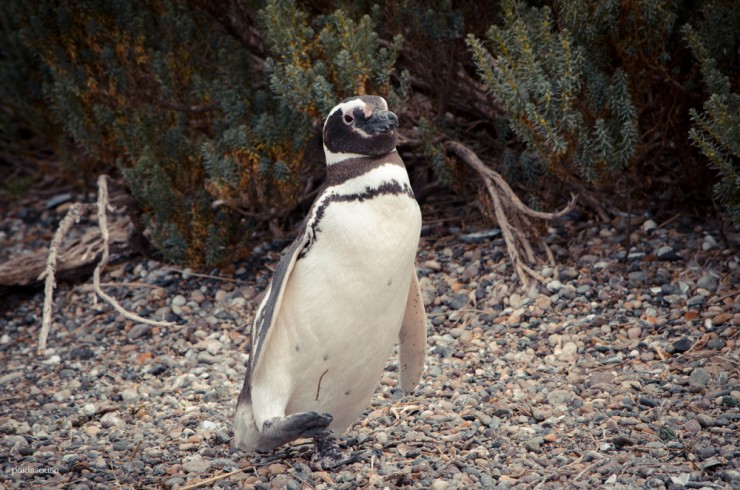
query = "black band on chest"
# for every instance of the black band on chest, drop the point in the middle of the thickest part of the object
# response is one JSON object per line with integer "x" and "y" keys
{"x": 341, "y": 172}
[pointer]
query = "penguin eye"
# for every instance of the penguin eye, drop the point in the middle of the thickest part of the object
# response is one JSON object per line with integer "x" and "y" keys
{"x": 348, "y": 118}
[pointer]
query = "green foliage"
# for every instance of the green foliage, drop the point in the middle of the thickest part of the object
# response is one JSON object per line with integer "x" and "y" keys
{"x": 171, "y": 94}
{"x": 577, "y": 119}
{"x": 716, "y": 130}
{"x": 435, "y": 152}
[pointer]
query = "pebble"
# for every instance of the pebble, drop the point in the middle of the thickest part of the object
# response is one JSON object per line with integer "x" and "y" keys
{"x": 692, "y": 426}
{"x": 197, "y": 296}
{"x": 698, "y": 380}
{"x": 515, "y": 383}
{"x": 10, "y": 377}
{"x": 139, "y": 330}
{"x": 559, "y": 397}
{"x": 649, "y": 225}
{"x": 708, "y": 282}
{"x": 600, "y": 377}
{"x": 196, "y": 466}
{"x": 129, "y": 394}
{"x": 682, "y": 345}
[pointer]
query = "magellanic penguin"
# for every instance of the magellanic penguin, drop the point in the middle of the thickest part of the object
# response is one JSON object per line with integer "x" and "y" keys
{"x": 341, "y": 295}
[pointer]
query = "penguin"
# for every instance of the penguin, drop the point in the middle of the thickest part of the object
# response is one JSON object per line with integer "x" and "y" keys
{"x": 341, "y": 295}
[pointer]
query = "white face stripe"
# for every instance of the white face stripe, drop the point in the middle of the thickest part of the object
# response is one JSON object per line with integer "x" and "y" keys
{"x": 350, "y": 105}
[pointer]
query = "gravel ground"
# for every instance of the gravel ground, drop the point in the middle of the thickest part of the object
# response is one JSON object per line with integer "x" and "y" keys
{"x": 612, "y": 374}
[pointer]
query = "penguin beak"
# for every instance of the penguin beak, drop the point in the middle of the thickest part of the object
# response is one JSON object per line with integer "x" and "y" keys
{"x": 381, "y": 122}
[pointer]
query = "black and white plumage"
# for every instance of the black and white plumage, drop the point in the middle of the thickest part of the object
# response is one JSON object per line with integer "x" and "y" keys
{"x": 342, "y": 294}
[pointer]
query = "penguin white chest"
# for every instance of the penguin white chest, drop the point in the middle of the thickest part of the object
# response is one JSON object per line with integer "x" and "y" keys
{"x": 343, "y": 307}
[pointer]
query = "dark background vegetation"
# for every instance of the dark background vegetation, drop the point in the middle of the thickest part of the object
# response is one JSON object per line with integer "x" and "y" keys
{"x": 209, "y": 113}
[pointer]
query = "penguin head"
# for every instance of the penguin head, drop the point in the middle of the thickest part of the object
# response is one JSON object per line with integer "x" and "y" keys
{"x": 360, "y": 125}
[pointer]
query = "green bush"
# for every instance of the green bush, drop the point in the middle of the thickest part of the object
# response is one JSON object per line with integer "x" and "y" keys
{"x": 576, "y": 118}
{"x": 603, "y": 91}
{"x": 210, "y": 111}
{"x": 170, "y": 94}
{"x": 716, "y": 130}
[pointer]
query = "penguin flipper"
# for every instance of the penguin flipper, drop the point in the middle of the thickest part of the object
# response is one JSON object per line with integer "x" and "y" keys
{"x": 267, "y": 312}
{"x": 412, "y": 337}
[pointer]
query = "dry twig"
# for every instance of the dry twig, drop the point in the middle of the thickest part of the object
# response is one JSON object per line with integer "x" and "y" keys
{"x": 49, "y": 274}
{"x": 511, "y": 213}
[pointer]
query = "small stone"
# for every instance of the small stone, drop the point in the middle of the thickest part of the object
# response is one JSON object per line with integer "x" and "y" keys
{"x": 459, "y": 301}
{"x": 92, "y": 429}
{"x": 197, "y": 296}
{"x": 129, "y": 394}
{"x": 706, "y": 452}
{"x": 698, "y": 380}
{"x": 559, "y": 397}
{"x": 634, "y": 333}
{"x": 52, "y": 360}
{"x": 196, "y": 466}
{"x": 722, "y": 318}
{"x": 696, "y": 300}
{"x": 568, "y": 274}
{"x": 481, "y": 236}
{"x": 568, "y": 352}
{"x": 213, "y": 346}
{"x": 515, "y": 300}
{"x": 179, "y": 300}
{"x": 82, "y": 353}
{"x": 120, "y": 446}
{"x": 175, "y": 482}
{"x": 139, "y": 330}
{"x": 708, "y": 282}
{"x": 11, "y": 426}
{"x": 63, "y": 395}
{"x": 693, "y": 426}
{"x": 207, "y": 358}
{"x": 277, "y": 469}
{"x": 637, "y": 277}
{"x": 440, "y": 485}
{"x": 432, "y": 264}
{"x": 554, "y": 286}
{"x": 649, "y": 226}
{"x": 543, "y": 302}
{"x": 682, "y": 345}
{"x": 709, "y": 243}
{"x": 10, "y": 377}
{"x": 600, "y": 377}
{"x": 534, "y": 444}
{"x": 111, "y": 419}
{"x": 222, "y": 437}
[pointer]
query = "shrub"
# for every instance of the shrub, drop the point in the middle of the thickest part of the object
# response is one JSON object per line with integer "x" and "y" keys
{"x": 716, "y": 130}
{"x": 176, "y": 96}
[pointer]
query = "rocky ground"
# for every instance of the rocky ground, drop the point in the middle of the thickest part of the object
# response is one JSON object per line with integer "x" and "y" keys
{"x": 613, "y": 374}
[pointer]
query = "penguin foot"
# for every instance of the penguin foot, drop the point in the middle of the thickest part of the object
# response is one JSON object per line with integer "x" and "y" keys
{"x": 328, "y": 456}
{"x": 282, "y": 430}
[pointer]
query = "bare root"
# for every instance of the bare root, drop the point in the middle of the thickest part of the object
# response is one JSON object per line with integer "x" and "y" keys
{"x": 49, "y": 273}
{"x": 512, "y": 215}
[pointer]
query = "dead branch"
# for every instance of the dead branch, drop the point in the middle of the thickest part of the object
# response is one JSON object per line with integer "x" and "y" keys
{"x": 82, "y": 254}
{"x": 49, "y": 273}
{"x": 511, "y": 213}
{"x": 103, "y": 225}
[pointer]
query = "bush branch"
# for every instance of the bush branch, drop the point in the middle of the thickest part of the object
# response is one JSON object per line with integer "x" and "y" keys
{"x": 511, "y": 214}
